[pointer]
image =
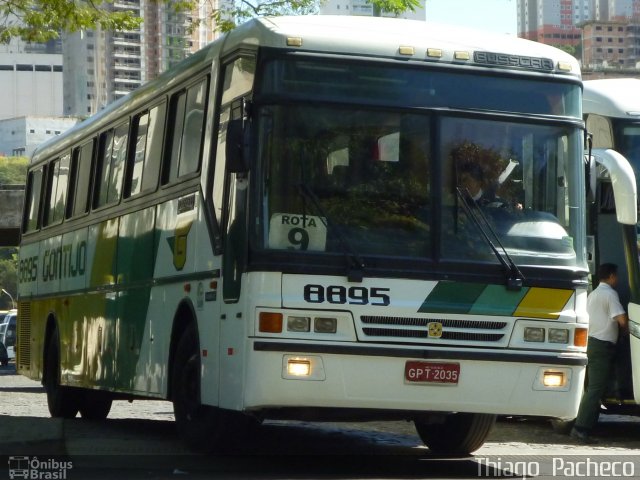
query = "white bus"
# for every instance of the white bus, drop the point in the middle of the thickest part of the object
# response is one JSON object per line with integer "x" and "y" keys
{"x": 277, "y": 228}
{"x": 612, "y": 116}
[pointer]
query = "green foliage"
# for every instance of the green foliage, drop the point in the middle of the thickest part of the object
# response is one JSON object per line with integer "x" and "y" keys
{"x": 8, "y": 275}
{"x": 42, "y": 20}
{"x": 396, "y": 7}
{"x": 233, "y": 14}
{"x": 13, "y": 170}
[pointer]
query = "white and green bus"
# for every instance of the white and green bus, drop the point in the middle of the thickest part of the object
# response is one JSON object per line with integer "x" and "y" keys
{"x": 277, "y": 229}
{"x": 612, "y": 116}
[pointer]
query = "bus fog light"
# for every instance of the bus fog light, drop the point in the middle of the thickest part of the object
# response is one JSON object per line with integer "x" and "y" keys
{"x": 307, "y": 367}
{"x": 554, "y": 379}
{"x": 298, "y": 324}
{"x": 298, "y": 367}
{"x": 558, "y": 335}
{"x": 533, "y": 334}
{"x": 325, "y": 325}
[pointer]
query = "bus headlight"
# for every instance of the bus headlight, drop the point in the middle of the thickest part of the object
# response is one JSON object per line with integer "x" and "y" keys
{"x": 533, "y": 334}
{"x": 325, "y": 325}
{"x": 298, "y": 324}
{"x": 558, "y": 335}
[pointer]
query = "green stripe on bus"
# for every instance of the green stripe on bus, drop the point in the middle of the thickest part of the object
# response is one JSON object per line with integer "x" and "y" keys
{"x": 452, "y": 297}
{"x": 497, "y": 300}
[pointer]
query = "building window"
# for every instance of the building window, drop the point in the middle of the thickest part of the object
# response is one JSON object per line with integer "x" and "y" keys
{"x": 57, "y": 68}
{"x": 32, "y": 131}
{"x": 48, "y": 132}
{"x": 24, "y": 68}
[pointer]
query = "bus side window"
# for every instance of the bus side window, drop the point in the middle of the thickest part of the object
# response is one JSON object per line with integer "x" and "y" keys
{"x": 32, "y": 204}
{"x": 147, "y": 130}
{"x": 80, "y": 179}
{"x": 56, "y": 191}
{"x": 112, "y": 154}
{"x": 185, "y": 139}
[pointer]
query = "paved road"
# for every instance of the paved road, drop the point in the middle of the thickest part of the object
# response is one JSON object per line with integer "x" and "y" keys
{"x": 138, "y": 441}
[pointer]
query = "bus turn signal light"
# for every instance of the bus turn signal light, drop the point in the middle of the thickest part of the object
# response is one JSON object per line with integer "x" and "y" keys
{"x": 270, "y": 322}
{"x": 580, "y": 337}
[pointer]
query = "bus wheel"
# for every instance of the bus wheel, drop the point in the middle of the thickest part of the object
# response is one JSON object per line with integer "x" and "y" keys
{"x": 62, "y": 401}
{"x": 200, "y": 427}
{"x": 95, "y": 405}
{"x": 459, "y": 434}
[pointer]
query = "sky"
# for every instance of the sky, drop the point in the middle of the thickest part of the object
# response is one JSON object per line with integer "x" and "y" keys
{"x": 498, "y": 16}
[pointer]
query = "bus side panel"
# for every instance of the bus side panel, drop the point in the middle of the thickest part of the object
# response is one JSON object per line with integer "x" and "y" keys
{"x": 135, "y": 255}
{"x": 183, "y": 257}
{"x": 28, "y": 362}
{"x": 94, "y": 333}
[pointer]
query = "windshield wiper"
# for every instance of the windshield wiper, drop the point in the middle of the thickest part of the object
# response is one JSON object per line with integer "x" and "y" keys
{"x": 515, "y": 278}
{"x": 355, "y": 264}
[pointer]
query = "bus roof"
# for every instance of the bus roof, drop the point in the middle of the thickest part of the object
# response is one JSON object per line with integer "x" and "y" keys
{"x": 404, "y": 40}
{"x": 381, "y": 36}
{"x": 612, "y": 97}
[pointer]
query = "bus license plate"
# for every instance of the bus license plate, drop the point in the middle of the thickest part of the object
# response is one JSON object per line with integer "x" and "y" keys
{"x": 431, "y": 372}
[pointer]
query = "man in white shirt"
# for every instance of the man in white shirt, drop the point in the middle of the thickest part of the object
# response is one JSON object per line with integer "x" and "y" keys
{"x": 606, "y": 318}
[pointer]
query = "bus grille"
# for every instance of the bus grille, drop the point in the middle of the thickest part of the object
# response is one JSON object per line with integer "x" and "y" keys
{"x": 23, "y": 350}
{"x": 416, "y": 330}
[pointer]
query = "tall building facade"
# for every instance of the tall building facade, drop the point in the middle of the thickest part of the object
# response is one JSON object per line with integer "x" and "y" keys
{"x": 101, "y": 67}
{"x": 554, "y": 22}
{"x": 364, "y": 8}
{"x": 606, "y": 31}
{"x": 31, "y": 84}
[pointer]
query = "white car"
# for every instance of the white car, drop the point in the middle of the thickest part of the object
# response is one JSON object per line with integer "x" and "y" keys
{"x": 8, "y": 333}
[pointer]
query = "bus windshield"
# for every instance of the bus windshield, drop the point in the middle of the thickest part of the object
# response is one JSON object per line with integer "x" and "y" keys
{"x": 627, "y": 140}
{"x": 386, "y": 182}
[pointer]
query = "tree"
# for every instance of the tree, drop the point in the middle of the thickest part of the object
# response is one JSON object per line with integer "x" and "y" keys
{"x": 228, "y": 17}
{"x": 8, "y": 276}
{"x": 13, "y": 170}
{"x": 43, "y": 20}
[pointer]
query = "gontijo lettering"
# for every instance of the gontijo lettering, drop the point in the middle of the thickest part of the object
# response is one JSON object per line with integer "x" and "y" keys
{"x": 65, "y": 261}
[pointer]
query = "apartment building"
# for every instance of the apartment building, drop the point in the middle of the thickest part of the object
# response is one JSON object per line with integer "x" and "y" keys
{"x": 101, "y": 66}
{"x": 611, "y": 44}
{"x": 364, "y": 8}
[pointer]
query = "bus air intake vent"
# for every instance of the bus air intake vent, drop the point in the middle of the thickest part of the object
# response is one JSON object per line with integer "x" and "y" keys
{"x": 23, "y": 343}
{"x": 416, "y": 330}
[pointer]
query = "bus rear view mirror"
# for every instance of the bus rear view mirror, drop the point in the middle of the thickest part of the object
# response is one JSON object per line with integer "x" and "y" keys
{"x": 623, "y": 181}
{"x": 234, "y": 150}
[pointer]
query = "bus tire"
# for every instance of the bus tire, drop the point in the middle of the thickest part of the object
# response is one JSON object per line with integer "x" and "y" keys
{"x": 95, "y": 405}
{"x": 459, "y": 434}
{"x": 200, "y": 427}
{"x": 62, "y": 401}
